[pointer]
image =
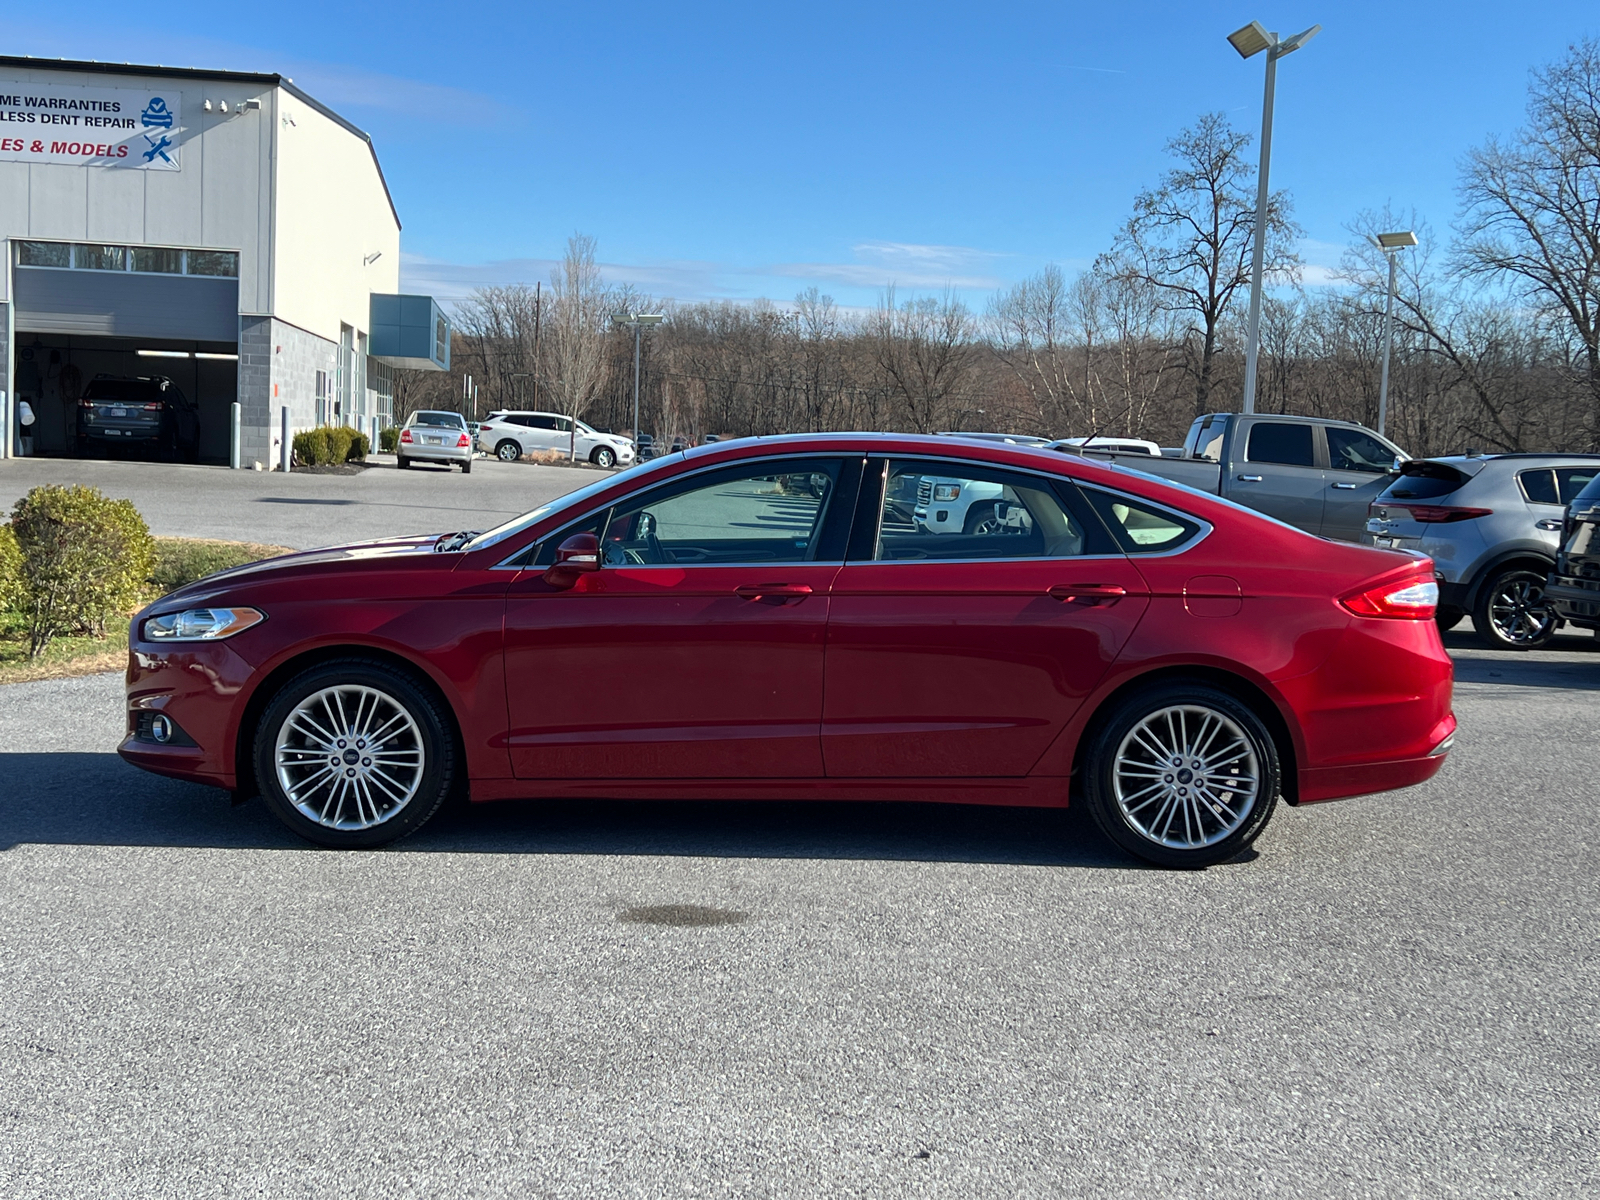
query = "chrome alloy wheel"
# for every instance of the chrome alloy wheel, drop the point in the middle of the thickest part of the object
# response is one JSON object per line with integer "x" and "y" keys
{"x": 349, "y": 757}
{"x": 1186, "y": 776}
{"x": 1518, "y": 610}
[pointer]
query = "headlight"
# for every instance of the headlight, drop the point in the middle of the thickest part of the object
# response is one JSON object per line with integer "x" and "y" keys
{"x": 946, "y": 492}
{"x": 201, "y": 624}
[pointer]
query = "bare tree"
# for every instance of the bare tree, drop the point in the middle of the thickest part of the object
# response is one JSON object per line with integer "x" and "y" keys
{"x": 1533, "y": 208}
{"x": 576, "y": 320}
{"x": 926, "y": 349}
{"x": 1190, "y": 237}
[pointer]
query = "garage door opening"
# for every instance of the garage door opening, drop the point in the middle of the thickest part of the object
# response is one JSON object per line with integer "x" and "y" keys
{"x": 53, "y": 372}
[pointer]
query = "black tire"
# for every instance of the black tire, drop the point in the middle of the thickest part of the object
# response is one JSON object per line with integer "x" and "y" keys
{"x": 1511, "y": 612}
{"x": 430, "y": 729}
{"x": 976, "y": 516}
{"x": 466, "y": 467}
{"x": 401, "y": 461}
{"x": 604, "y": 456}
{"x": 1134, "y": 820}
{"x": 508, "y": 450}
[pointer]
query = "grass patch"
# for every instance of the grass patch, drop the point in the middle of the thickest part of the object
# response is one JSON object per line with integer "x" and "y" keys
{"x": 178, "y": 562}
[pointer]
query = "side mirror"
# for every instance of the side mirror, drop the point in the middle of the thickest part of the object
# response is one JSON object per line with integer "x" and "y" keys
{"x": 576, "y": 556}
{"x": 1399, "y": 461}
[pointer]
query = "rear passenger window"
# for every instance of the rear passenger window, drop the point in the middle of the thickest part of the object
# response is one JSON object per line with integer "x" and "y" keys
{"x": 1141, "y": 527}
{"x": 1539, "y": 486}
{"x": 962, "y": 510}
{"x": 1356, "y": 450}
{"x": 1573, "y": 480}
{"x": 1281, "y": 442}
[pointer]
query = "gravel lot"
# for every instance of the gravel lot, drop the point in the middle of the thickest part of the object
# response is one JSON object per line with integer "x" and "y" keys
{"x": 1397, "y": 996}
{"x": 303, "y": 510}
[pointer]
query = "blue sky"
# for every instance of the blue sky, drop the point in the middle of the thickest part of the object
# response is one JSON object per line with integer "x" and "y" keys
{"x": 738, "y": 150}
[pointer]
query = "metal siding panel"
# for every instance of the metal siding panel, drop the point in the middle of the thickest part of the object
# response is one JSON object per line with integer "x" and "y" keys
{"x": 115, "y": 205}
{"x": 57, "y": 202}
{"x": 230, "y": 192}
{"x": 185, "y": 308}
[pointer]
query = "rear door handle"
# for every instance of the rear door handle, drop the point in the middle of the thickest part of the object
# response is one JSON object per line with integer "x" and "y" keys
{"x": 1348, "y": 487}
{"x": 779, "y": 593}
{"x": 1087, "y": 593}
{"x": 1249, "y": 479}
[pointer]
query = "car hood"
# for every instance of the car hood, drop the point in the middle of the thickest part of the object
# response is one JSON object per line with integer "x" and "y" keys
{"x": 285, "y": 564}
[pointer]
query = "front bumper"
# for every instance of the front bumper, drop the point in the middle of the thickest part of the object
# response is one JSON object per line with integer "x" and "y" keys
{"x": 1574, "y": 599}
{"x": 197, "y": 685}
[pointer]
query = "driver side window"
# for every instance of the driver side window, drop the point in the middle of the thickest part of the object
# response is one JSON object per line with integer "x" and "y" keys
{"x": 745, "y": 514}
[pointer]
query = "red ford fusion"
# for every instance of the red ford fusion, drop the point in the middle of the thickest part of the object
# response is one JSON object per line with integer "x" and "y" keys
{"x": 848, "y": 617}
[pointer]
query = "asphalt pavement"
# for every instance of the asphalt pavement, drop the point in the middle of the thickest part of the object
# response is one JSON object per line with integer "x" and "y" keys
{"x": 1392, "y": 996}
{"x": 304, "y": 510}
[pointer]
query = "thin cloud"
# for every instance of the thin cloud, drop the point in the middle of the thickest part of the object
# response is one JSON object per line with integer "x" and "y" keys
{"x": 1321, "y": 262}
{"x": 445, "y": 280}
{"x": 903, "y": 264}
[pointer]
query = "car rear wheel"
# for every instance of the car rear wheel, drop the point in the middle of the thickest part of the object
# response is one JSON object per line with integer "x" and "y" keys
{"x": 1181, "y": 775}
{"x": 508, "y": 451}
{"x": 354, "y": 753}
{"x": 466, "y": 467}
{"x": 402, "y": 461}
{"x": 1512, "y": 613}
{"x": 604, "y": 456}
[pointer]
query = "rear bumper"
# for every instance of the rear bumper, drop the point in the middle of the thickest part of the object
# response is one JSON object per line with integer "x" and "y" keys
{"x": 1573, "y": 599}
{"x": 444, "y": 454}
{"x": 1362, "y": 779}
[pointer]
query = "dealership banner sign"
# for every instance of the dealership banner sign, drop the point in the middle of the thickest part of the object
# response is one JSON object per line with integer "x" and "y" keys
{"x": 92, "y": 127}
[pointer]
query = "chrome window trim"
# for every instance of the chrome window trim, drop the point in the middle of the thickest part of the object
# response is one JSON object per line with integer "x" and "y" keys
{"x": 1204, "y": 532}
{"x": 707, "y": 469}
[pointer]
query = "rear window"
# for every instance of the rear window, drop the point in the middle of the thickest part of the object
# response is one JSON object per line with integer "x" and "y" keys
{"x": 129, "y": 391}
{"x": 1281, "y": 442}
{"x": 1424, "y": 481}
{"x": 1588, "y": 498}
{"x": 449, "y": 419}
{"x": 1141, "y": 527}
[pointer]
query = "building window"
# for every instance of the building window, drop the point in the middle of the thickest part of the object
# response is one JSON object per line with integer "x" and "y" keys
{"x": 100, "y": 258}
{"x": 440, "y": 336}
{"x": 44, "y": 254}
{"x": 322, "y": 397}
{"x": 213, "y": 262}
{"x": 157, "y": 261}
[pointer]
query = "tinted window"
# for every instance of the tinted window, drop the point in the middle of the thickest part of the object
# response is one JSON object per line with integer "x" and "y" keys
{"x": 157, "y": 261}
{"x": 450, "y": 419}
{"x": 213, "y": 262}
{"x": 1280, "y": 442}
{"x": 1141, "y": 527}
{"x": 1357, "y": 450}
{"x": 100, "y": 258}
{"x": 743, "y": 515}
{"x": 950, "y": 510}
{"x": 1209, "y": 444}
{"x": 1574, "y": 480}
{"x": 539, "y": 422}
{"x": 128, "y": 391}
{"x": 44, "y": 254}
{"x": 1539, "y": 486}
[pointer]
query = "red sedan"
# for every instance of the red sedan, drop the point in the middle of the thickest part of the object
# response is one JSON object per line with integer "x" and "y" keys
{"x": 851, "y": 617}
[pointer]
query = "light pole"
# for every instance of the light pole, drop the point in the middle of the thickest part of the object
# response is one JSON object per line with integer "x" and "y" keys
{"x": 1391, "y": 244}
{"x": 638, "y": 321}
{"x": 1252, "y": 40}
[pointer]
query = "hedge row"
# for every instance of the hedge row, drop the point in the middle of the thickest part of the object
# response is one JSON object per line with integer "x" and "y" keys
{"x": 330, "y": 444}
{"x": 388, "y": 439}
{"x": 71, "y": 560}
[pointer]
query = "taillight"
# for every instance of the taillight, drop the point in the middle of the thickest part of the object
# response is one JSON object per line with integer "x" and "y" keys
{"x": 1407, "y": 599}
{"x": 405, "y": 436}
{"x": 1441, "y": 514}
{"x": 153, "y": 406}
{"x": 85, "y": 403}
{"x": 463, "y": 440}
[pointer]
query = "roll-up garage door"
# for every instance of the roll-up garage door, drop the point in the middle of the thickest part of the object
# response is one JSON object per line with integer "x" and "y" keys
{"x": 117, "y": 304}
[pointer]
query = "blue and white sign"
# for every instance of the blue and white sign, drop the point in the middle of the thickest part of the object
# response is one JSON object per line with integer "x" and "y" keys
{"x": 92, "y": 127}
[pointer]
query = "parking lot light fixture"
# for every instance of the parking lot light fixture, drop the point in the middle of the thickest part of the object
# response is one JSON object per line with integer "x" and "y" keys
{"x": 1391, "y": 244}
{"x": 638, "y": 321}
{"x": 1250, "y": 41}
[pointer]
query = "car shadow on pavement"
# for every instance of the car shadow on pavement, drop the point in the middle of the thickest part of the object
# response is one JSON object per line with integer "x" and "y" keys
{"x": 98, "y": 800}
{"x": 1529, "y": 670}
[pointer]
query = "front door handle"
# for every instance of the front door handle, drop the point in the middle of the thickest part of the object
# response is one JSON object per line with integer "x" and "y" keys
{"x": 1550, "y": 525}
{"x": 1348, "y": 487}
{"x": 1249, "y": 479}
{"x": 1087, "y": 593}
{"x": 773, "y": 593}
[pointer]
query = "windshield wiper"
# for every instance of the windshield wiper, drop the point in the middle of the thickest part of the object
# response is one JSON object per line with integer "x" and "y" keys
{"x": 455, "y": 541}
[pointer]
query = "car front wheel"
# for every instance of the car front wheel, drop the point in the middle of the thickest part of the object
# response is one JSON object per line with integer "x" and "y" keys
{"x": 353, "y": 753}
{"x": 1181, "y": 775}
{"x": 1512, "y": 613}
{"x": 604, "y": 457}
{"x": 508, "y": 451}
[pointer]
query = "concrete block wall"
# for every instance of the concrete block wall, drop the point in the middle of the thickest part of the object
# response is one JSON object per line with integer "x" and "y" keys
{"x": 255, "y": 391}
{"x": 297, "y": 356}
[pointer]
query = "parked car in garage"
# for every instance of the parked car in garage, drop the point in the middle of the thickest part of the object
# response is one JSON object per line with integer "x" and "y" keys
{"x": 1573, "y": 590}
{"x": 510, "y": 435}
{"x": 145, "y": 412}
{"x": 1492, "y": 525}
{"x": 698, "y": 628}
{"x": 436, "y": 437}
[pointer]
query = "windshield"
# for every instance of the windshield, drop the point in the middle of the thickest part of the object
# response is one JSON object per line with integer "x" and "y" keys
{"x": 449, "y": 420}
{"x": 575, "y": 499}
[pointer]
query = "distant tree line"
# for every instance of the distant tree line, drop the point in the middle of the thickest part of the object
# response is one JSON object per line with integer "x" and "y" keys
{"x": 1497, "y": 342}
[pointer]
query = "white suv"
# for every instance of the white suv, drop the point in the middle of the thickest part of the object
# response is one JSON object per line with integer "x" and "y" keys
{"x": 510, "y": 435}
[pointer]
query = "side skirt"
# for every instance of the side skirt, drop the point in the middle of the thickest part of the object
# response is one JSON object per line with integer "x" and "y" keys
{"x": 1031, "y": 792}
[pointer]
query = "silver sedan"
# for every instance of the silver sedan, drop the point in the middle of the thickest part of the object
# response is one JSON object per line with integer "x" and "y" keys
{"x": 440, "y": 437}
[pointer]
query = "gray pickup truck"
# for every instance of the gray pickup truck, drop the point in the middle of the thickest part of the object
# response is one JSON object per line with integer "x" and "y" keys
{"x": 1313, "y": 473}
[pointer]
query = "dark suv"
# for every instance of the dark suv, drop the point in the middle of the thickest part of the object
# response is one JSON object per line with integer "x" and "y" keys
{"x": 145, "y": 411}
{"x": 1574, "y": 588}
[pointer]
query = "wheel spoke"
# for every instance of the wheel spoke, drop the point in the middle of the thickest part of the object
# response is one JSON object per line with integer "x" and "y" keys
{"x": 1187, "y": 776}
{"x": 352, "y": 786}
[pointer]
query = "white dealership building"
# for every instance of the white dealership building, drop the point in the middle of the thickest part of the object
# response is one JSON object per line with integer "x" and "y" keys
{"x": 220, "y": 229}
